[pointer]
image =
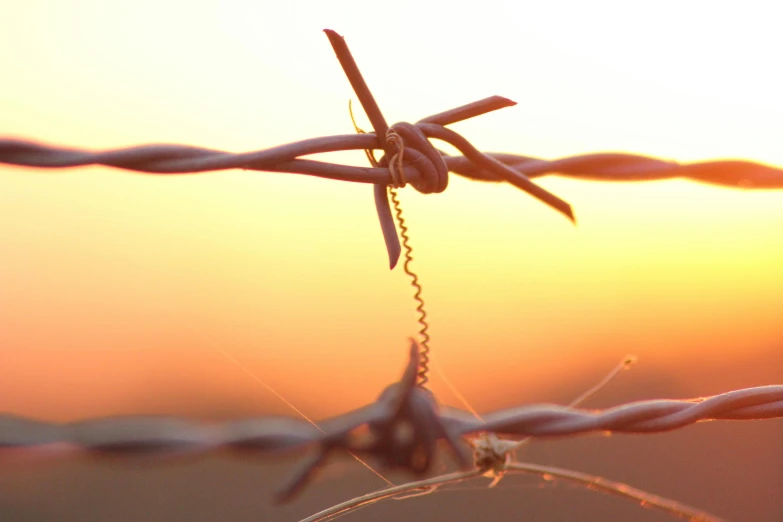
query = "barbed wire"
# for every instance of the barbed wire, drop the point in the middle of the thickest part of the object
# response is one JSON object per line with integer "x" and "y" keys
{"x": 185, "y": 159}
{"x": 425, "y": 167}
{"x": 403, "y": 427}
{"x": 400, "y": 429}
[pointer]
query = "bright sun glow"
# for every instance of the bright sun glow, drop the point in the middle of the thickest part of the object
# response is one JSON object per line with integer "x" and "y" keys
{"x": 125, "y": 280}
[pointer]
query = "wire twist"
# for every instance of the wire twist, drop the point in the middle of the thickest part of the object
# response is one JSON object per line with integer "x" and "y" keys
{"x": 272, "y": 434}
{"x": 396, "y": 170}
{"x": 397, "y": 173}
{"x": 424, "y": 368}
{"x": 405, "y": 424}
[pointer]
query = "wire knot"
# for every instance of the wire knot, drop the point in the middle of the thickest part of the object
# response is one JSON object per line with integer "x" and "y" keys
{"x": 407, "y": 428}
{"x": 404, "y": 429}
{"x": 415, "y": 150}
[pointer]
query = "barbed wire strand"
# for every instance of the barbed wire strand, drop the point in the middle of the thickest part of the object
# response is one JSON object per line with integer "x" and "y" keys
{"x": 168, "y": 159}
{"x": 271, "y": 434}
{"x": 625, "y": 364}
{"x": 492, "y": 458}
{"x": 495, "y": 458}
{"x": 427, "y": 173}
{"x": 517, "y": 170}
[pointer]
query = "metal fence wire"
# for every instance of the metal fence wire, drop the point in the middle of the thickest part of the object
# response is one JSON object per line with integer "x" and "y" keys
{"x": 409, "y": 158}
{"x": 403, "y": 403}
{"x": 403, "y": 427}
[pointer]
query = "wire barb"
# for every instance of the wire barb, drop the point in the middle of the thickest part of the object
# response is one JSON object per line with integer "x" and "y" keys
{"x": 427, "y": 172}
{"x": 405, "y": 424}
{"x": 273, "y": 434}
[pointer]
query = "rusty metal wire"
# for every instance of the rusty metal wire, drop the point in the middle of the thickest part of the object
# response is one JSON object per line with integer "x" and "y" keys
{"x": 403, "y": 427}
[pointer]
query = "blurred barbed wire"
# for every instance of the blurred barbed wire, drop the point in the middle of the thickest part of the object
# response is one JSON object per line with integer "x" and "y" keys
{"x": 400, "y": 429}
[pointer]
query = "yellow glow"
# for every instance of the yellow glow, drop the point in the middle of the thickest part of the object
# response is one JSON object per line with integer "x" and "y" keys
{"x": 116, "y": 285}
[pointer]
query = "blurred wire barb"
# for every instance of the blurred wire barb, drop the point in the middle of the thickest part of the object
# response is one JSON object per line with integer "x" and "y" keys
{"x": 273, "y": 434}
{"x": 401, "y": 429}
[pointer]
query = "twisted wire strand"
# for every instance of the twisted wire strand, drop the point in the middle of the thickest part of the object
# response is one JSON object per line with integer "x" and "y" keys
{"x": 174, "y": 159}
{"x": 274, "y": 434}
{"x": 165, "y": 159}
{"x": 639, "y": 417}
{"x": 424, "y": 366}
{"x": 624, "y": 167}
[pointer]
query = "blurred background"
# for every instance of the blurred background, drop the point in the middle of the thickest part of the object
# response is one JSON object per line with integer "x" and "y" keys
{"x": 125, "y": 293}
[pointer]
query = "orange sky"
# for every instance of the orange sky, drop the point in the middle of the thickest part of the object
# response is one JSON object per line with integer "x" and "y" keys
{"x": 118, "y": 288}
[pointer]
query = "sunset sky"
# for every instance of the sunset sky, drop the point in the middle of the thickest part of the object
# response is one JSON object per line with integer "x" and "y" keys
{"x": 120, "y": 290}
